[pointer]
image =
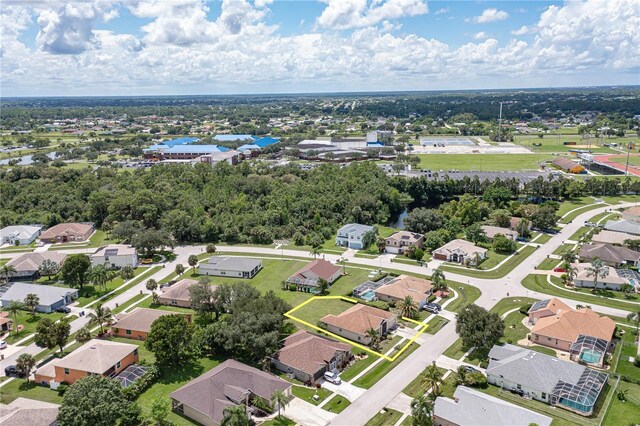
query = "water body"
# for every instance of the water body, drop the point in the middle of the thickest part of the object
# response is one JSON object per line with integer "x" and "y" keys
{"x": 399, "y": 223}
{"x": 26, "y": 160}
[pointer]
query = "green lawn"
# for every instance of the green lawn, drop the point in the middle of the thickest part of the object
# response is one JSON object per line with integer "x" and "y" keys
{"x": 627, "y": 348}
{"x": 548, "y": 264}
{"x": 624, "y": 413}
{"x": 417, "y": 387}
{"x": 369, "y": 359}
{"x": 386, "y": 417}
{"x": 172, "y": 379}
{"x": 313, "y": 311}
{"x": 493, "y": 259}
{"x": 543, "y": 238}
{"x": 621, "y": 199}
{"x": 129, "y": 302}
{"x": 435, "y": 324}
{"x": 89, "y": 293}
{"x": 582, "y": 232}
{"x": 148, "y": 303}
{"x": 279, "y": 421}
{"x": 337, "y": 404}
{"x": 20, "y": 388}
{"x": 97, "y": 239}
{"x": 306, "y": 393}
{"x": 29, "y": 324}
{"x": 574, "y": 203}
{"x": 380, "y": 370}
{"x": 502, "y": 271}
{"x": 568, "y": 218}
{"x": 482, "y": 162}
{"x": 466, "y": 294}
{"x": 539, "y": 283}
{"x": 563, "y": 248}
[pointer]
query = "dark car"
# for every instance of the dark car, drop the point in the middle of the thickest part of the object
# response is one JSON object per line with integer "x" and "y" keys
{"x": 434, "y": 308}
{"x": 518, "y": 392}
{"x": 63, "y": 309}
{"x": 470, "y": 369}
{"x": 12, "y": 371}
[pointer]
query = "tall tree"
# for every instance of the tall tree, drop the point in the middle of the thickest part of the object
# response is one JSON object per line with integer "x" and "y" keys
{"x": 475, "y": 233}
{"x": 179, "y": 269}
{"x": 193, "y": 262}
{"x": 408, "y": 308}
{"x": 83, "y": 335}
{"x": 235, "y": 415}
{"x": 25, "y": 364}
{"x": 374, "y": 338}
{"x": 48, "y": 267}
{"x": 204, "y": 297}
{"x": 75, "y": 268}
{"x": 127, "y": 272}
{"x": 32, "y": 301}
{"x": 101, "y": 315}
{"x": 438, "y": 279}
{"x": 421, "y": 411}
{"x": 211, "y": 249}
{"x": 99, "y": 275}
{"x": 323, "y": 286}
{"x": 278, "y": 398}
{"x": 14, "y": 308}
{"x": 597, "y": 270}
{"x": 169, "y": 339}
{"x": 7, "y": 271}
{"x": 432, "y": 379}
{"x": 479, "y": 328}
{"x": 151, "y": 284}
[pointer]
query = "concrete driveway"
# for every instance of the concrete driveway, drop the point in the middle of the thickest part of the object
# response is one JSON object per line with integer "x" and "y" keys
{"x": 345, "y": 389}
{"x": 307, "y": 414}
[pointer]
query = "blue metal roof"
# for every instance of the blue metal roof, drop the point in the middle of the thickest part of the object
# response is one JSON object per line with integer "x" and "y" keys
{"x": 195, "y": 149}
{"x": 266, "y": 141}
{"x": 375, "y": 144}
{"x": 227, "y": 138}
{"x": 180, "y": 141}
{"x": 248, "y": 147}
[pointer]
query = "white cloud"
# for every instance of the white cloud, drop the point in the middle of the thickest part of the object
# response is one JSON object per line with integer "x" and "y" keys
{"x": 442, "y": 11}
{"x": 480, "y": 35}
{"x": 522, "y": 30}
{"x": 347, "y": 14}
{"x": 489, "y": 15}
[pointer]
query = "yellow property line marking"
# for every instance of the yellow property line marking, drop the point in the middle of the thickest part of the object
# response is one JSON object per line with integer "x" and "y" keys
{"x": 350, "y": 342}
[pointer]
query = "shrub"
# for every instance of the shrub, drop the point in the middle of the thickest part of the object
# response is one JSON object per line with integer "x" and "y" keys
{"x": 62, "y": 389}
{"x": 292, "y": 287}
{"x": 143, "y": 383}
{"x": 524, "y": 309}
{"x": 476, "y": 380}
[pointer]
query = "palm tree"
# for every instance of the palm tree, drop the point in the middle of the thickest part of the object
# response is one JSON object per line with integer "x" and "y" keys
{"x": 323, "y": 286}
{"x": 421, "y": 411}
{"x": 127, "y": 272}
{"x": 438, "y": 280}
{"x": 235, "y": 415}
{"x": 279, "y": 398}
{"x": 99, "y": 276}
{"x": 461, "y": 375}
{"x": 381, "y": 243}
{"x": 315, "y": 251}
{"x": 32, "y": 301}
{"x": 151, "y": 284}
{"x": 100, "y": 315}
{"x": 7, "y": 270}
{"x": 374, "y": 337}
{"x": 635, "y": 316}
{"x": 571, "y": 271}
{"x": 13, "y": 309}
{"x": 408, "y": 307}
{"x": 568, "y": 257}
{"x": 48, "y": 267}
{"x": 598, "y": 269}
{"x": 626, "y": 289}
{"x": 25, "y": 364}
{"x": 193, "y": 262}
{"x": 432, "y": 379}
{"x": 179, "y": 269}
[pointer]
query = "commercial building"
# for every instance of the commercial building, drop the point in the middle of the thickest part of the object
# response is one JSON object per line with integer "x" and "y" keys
{"x": 50, "y": 297}
{"x": 20, "y": 235}
{"x": 181, "y": 152}
{"x": 355, "y": 322}
{"x": 231, "y": 267}
{"x": 115, "y": 256}
{"x": 230, "y": 384}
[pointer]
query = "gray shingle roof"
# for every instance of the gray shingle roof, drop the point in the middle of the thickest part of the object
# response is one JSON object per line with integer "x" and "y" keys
{"x": 623, "y": 226}
{"x": 355, "y": 229}
{"x": 229, "y": 263}
{"x": 48, "y": 294}
{"x": 472, "y": 408}
{"x": 20, "y": 231}
{"x": 532, "y": 369}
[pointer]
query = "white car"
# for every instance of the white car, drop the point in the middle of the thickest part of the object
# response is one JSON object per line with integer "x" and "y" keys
{"x": 332, "y": 377}
{"x": 3, "y": 344}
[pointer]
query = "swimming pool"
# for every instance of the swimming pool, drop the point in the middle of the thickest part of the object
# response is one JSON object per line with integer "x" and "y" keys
{"x": 368, "y": 295}
{"x": 590, "y": 356}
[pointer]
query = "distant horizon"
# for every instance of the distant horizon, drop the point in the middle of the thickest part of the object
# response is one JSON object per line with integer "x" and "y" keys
{"x": 329, "y": 93}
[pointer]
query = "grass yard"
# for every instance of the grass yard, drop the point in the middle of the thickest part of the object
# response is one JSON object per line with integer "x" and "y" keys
{"x": 380, "y": 370}
{"x": 563, "y": 248}
{"x": 580, "y": 233}
{"x": 29, "y": 324}
{"x": 542, "y": 238}
{"x": 89, "y": 293}
{"x": 548, "y": 264}
{"x": 482, "y": 162}
{"x": 435, "y": 324}
{"x": 603, "y": 217}
{"x": 417, "y": 387}
{"x": 172, "y": 379}
{"x": 97, "y": 239}
{"x": 386, "y": 417}
{"x": 621, "y": 199}
{"x": 361, "y": 364}
{"x": 279, "y": 421}
{"x": 539, "y": 283}
{"x": 502, "y": 271}
{"x": 130, "y": 302}
{"x": 20, "y": 388}
{"x": 627, "y": 412}
{"x": 627, "y": 348}
{"x": 148, "y": 303}
{"x": 466, "y": 294}
{"x": 337, "y": 404}
{"x": 574, "y": 203}
{"x": 568, "y": 218}
{"x": 143, "y": 353}
{"x": 306, "y": 393}
{"x": 313, "y": 311}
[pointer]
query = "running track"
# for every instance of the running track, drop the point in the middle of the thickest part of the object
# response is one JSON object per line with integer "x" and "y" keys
{"x": 606, "y": 159}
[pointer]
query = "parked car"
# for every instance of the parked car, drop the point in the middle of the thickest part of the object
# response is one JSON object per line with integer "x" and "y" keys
{"x": 147, "y": 261}
{"x": 63, "y": 309}
{"x": 517, "y": 391}
{"x": 470, "y": 369}
{"x": 3, "y": 344}
{"x": 332, "y": 377}
{"x": 521, "y": 239}
{"x": 12, "y": 371}
{"x": 559, "y": 269}
{"x": 434, "y": 308}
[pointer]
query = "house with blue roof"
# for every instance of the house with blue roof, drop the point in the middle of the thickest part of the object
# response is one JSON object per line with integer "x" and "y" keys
{"x": 179, "y": 141}
{"x": 233, "y": 138}
{"x": 259, "y": 144}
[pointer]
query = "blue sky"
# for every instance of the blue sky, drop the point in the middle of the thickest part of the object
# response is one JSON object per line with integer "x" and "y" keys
{"x": 96, "y": 47}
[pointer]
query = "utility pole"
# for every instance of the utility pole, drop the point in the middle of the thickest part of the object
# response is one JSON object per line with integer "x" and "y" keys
{"x": 626, "y": 167}
{"x": 500, "y": 123}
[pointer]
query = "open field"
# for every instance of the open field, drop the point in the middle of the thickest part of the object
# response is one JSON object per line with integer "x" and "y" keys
{"x": 482, "y": 162}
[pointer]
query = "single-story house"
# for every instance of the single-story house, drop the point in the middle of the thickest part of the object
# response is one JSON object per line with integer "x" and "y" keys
{"x": 115, "y": 256}
{"x": 308, "y": 356}
{"x": 354, "y": 323}
{"x": 232, "y": 267}
{"x": 306, "y": 279}
{"x": 5, "y": 321}
{"x": 230, "y": 384}
{"x": 400, "y": 241}
{"x": 51, "y": 298}
{"x": 561, "y": 331}
{"x": 610, "y": 254}
{"x": 492, "y": 231}
{"x": 68, "y": 232}
{"x": 27, "y": 265}
{"x": 177, "y": 294}
{"x": 515, "y": 221}
{"x": 546, "y": 308}
{"x": 137, "y": 323}
{"x": 626, "y": 226}
{"x": 101, "y": 357}
{"x": 612, "y": 281}
{"x": 470, "y": 407}
{"x": 544, "y": 378}
{"x": 21, "y": 235}
{"x": 458, "y": 250}
{"x": 26, "y": 411}
{"x": 632, "y": 214}
{"x": 613, "y": 237}
{"x": 418, "y": 288}
{"x": 352, "y": 234}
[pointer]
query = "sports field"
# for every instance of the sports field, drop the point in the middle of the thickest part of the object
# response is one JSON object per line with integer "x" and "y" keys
{"x": 554, "y": 143}
{"x": 483, "y": 162}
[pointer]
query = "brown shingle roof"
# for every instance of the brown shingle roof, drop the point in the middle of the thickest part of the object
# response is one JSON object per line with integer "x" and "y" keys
{"x": 309, "y": 352}
{"x": 31, "y": 261}
{"x": 66, "y": 228}
{"x": 553, "y": 306}
{"x": 226, "y": 385}
{"x": 96, "y": 356}
{"x": 319, "y": 267}
{"x": 179, "y": 291}
{"x": 406, "y": 285}
{"x": 358, "y": 318}
{"x": 570, "y": 324}
{"x": 609, "y": 253}
{"x": 140, "y": 319}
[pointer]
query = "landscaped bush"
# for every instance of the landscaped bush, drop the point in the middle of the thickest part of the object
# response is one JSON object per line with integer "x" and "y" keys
{"x": 292, "y": 287}
{"x": 143, "y": 383}
{"x": 524, "y": 309}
